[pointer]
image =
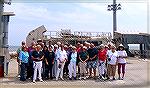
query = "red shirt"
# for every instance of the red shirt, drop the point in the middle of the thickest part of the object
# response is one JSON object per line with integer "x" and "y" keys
{"x": 102, "y": 55}
{"x": 79, "y": 49}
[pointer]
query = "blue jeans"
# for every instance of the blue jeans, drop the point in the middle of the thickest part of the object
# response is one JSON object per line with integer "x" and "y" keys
{"x": 23, "y": 71}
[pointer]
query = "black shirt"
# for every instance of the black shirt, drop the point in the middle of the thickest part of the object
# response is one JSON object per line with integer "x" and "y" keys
{"x": 92, "y": 52}
{"x": 51, "y": 57}
{"x": 37, "y": 55}
{"x": 83, "y": 55}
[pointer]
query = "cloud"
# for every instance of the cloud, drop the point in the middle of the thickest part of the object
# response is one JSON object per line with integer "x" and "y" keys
{"x": 27, "y": 11}
{"x": 76, "y": 16}
{"x": 31, "y": 12}
{"x": 99, "y": 8}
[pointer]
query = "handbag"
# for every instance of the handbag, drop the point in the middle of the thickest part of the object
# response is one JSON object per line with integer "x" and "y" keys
{"x": 59, "y": 66}
{"x": 109, "y": 59}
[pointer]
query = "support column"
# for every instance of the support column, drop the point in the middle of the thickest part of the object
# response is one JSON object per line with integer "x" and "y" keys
{"x": 1, "y": 28}
{"x": 5, "y": 20}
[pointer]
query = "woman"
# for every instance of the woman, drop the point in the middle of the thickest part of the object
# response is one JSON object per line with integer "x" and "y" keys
{"x": 50, "y": 62}
{"x": 23, "y": 56}
{"x": 83, "y": 57}
{"x": 45, "y": 63}
{"x": 101, "y": 61}
{"x": 112, "y": 61}
{"x": 55, "y": 60}
{"x": 62, "y": 57}
{"x": 121, "y": 61}
{"x": 37, "y": 57}
{"x": 30, "y": 62}
{"x": 72, "y": 63}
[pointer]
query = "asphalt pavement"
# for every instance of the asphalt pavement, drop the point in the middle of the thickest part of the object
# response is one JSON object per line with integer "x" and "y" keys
{"x": 137, "y": 76}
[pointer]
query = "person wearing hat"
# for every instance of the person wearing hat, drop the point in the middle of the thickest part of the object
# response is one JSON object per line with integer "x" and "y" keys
{"x": 83, "y": 57}
{"x": 79, "y": 49}
{"x": 121, "y": 61}
{"x": 66, "y": 70}
{"x": 72, "y": 59}
{"x": 61, "y": 59}
{"x": 92, "y": 62}
{"x": 37, "y": 57}
{"x": 101, "y": 61}
{"x": 55, "y": 60}
{"x": 59, "y": 45}
{"x": 40, "y": 42}
{"x": 112, "y": 62}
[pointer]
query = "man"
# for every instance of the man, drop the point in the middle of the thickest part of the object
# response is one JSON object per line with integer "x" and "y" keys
{"x": 92, "y": 62}
{"x": 37, "y": 57}
{"x": 62, "y": 57}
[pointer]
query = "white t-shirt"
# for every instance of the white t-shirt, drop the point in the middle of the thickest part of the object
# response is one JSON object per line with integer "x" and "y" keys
{"x": 62, "y": 55}
{"x": 113, "y": 57}
{"x": 122, "y": 53}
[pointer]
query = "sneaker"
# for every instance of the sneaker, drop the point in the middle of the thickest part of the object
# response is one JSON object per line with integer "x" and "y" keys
{"x": 95, "y": 78}
{"x": 84, "y": 78}
{"x": 113, "y": 79}
{"x": 56, "y": 79}
{"x": 80, "y": 78}
{"x": 119, "y": 78}
{"x": 108, "y": 78}
{"x": 70, "y": 78}
{"x": 99, "y": 77}
{"x": 61, "y": 78}
{"x": 41, "y": 80}
{"x": 19, "y": 76}
{"x": 122, "y": 78}
{"x": 103, "y": 78}
{"x": 33, "y": 81}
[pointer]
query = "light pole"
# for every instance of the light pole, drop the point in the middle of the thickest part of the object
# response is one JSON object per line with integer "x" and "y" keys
{"x": 114, "y": 7}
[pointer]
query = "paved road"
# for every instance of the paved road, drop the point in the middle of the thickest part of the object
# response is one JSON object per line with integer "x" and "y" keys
{"x": 137, "y": 76}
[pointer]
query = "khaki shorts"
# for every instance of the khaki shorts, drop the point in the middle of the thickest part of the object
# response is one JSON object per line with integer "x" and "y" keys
{"x": 111, "y": 70}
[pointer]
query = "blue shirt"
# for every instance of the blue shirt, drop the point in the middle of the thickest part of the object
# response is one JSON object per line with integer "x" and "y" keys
{"x": 74, "y": 57}
{"x": 23, "y": 56}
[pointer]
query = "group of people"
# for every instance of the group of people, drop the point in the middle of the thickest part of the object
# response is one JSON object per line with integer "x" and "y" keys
{"x": 61, "y": 61}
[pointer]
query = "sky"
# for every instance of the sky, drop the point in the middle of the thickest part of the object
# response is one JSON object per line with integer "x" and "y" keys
{"x": 89, "y": 17}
